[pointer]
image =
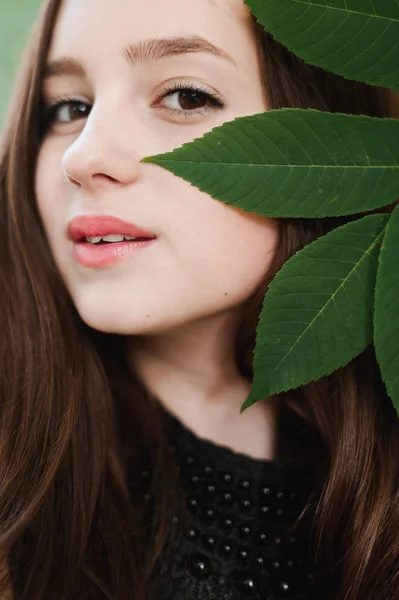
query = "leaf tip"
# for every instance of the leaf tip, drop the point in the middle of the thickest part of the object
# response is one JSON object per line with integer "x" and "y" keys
{"x": 251, "y": 399}
{"x": 149, "y": 159}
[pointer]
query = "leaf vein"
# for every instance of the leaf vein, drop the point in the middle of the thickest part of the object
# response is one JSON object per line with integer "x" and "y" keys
{"x": 355, "y": 12}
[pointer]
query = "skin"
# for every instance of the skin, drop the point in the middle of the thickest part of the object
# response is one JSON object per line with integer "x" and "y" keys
{"x": 181, "y": 300}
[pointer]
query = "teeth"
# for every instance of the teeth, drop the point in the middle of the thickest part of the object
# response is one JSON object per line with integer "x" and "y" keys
{"x": 114, "y": 237}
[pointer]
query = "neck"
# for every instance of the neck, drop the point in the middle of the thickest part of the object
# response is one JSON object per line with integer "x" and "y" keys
{"x": 193, "y": 373}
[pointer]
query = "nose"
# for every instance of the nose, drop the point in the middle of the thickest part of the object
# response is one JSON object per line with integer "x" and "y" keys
{"x": 104, "y": 153}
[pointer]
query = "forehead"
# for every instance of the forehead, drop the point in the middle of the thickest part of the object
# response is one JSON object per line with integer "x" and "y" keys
{"x": 89, "y": 27}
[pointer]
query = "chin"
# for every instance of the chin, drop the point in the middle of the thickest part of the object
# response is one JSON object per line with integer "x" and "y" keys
{"x": 109, "y": 317}
{"x": 108, "y": 322}
{"x": 103, "y": 315}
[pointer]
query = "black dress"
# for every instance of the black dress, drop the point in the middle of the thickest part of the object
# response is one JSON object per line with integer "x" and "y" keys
{"x": 237, "y": 543}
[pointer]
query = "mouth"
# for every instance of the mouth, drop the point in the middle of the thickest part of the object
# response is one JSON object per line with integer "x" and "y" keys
{"x": 101, "y": 240}
{"x": 96, "y": 229}
{"x": 113, "y": 238}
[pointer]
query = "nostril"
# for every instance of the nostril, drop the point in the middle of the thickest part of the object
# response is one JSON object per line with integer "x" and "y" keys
{"x": 100, "y": 176}
{"x": 70, "y": 178}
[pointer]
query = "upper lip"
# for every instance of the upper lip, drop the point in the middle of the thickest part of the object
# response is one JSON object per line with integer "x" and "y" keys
{"x": 101, "y": 225}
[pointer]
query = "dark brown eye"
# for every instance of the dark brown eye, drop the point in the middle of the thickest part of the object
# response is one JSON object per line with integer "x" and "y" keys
{"x": 192, "y": 99}
{"x": 67, "y": 111}
{"x": 186, "y": 98}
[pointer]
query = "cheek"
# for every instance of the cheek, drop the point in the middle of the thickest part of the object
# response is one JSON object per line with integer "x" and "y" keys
{"x": 231, "y": 250}
{"x": 204, "y": 229}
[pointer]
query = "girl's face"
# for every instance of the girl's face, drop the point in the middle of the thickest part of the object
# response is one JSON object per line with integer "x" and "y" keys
{"x": 122, "y": 71}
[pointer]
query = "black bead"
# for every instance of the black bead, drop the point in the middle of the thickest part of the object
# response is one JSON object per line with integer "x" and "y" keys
{"x": 145, "y": 474}
{"x": 208, "y": 516}
{"x": 208, "y": 470}
{"x": 190, "y": 460}
{"x": 245, "y": 531}
{"x": 226, "y": 549}
{"x": 227, "y": 478}
{"x": 264, "y": 511}
{"x": 243, "y": 554}
{"x": 227, "y": 524}
{"x": 209, "y": 541}
{"x": 280, "y": 512}
{"x": 211, "y": 489}
{"x": 260, "y": 562}
{"x": 246, "y": 583}
{"x": 263, "y": 537}
{"x": 227, "y": 498}
{"x": 276, "y": 565}
{"x": 245, "y": 485}
{"x": 200, "y": 565}
{"x": 194, "y": 482}
{"x": 280, "y": 495}
{"x": 277, "y": 541}
{"x": 266, "y": 491}
{"x": 290, "y": 564}
{"x": 192, "y": 533}
{"x": 284, "y": 587}
{"x": 246, "y": 505}
{"x": 192, "y": 505}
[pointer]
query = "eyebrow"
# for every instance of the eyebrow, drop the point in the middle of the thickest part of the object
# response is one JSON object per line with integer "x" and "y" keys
{"x": 144, "y": 52}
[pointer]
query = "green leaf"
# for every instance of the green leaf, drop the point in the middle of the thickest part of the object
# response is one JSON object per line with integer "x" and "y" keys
{"x": 294, "y": 163}
{"x": 358, "y": 39}
{"x": 318, "y": 312}
{"x": 386, "y": 313}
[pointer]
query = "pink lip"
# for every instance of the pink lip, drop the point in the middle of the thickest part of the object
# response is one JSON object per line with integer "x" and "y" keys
{"x": 100, "y": 225}
{"x": 90, "y": 255}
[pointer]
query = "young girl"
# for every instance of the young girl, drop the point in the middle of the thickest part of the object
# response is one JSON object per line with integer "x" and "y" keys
{"x": 127, "y": 471}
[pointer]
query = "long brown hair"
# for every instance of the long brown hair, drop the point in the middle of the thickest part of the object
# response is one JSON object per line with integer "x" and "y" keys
{"x": 74, "y": 418}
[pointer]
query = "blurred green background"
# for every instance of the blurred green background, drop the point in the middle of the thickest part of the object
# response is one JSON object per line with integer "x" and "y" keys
{"x": 16, "y": 20}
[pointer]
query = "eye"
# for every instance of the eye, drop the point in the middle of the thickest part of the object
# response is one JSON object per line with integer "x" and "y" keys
{"x": 185, "y": 99}
{"x": 66, "y": 110}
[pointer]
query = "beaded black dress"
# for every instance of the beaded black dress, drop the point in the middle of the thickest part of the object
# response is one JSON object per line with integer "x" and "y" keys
{"x": 238, "y": 542}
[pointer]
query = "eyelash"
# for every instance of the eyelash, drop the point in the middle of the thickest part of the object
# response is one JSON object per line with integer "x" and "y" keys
{"x": 215, "y": 100}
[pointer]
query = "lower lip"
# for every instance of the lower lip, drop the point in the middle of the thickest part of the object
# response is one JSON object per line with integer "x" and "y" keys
{"x": 91, "y": 255}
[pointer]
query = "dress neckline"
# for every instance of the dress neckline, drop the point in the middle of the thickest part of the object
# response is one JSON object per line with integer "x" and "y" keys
{"x": 183, "y": 437}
